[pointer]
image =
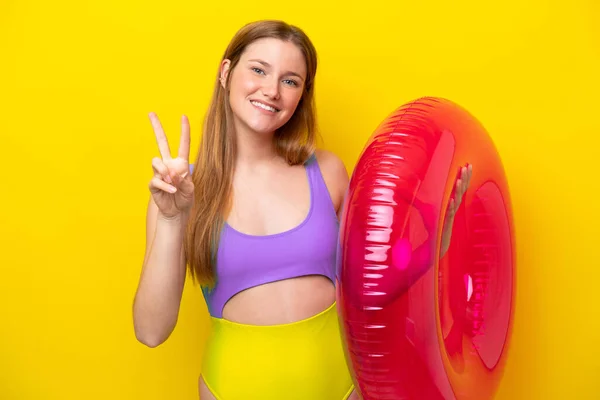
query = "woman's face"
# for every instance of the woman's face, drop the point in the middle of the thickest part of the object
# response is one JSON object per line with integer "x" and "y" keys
{"x": 266, "y": 85}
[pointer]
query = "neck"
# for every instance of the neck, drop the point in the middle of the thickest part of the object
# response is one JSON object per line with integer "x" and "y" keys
{"x": 255, "y": 149}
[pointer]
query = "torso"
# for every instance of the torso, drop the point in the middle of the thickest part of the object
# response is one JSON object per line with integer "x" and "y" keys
{"x": 268, "y": 202}
{"x": 281, "y": 302}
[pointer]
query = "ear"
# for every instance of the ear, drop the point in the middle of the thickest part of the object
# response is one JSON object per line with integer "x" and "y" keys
{"x": 224, "y": 72}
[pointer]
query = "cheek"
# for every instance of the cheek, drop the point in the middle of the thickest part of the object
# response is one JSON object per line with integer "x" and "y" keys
{"x": 292, "y": 99}
{"x": 244, "y": 85}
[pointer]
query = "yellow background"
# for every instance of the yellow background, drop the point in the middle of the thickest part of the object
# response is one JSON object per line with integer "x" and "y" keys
{"x": 77, "y": 80}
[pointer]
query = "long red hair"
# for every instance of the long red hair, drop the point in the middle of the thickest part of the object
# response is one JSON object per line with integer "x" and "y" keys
{"x": 213, "y": 172}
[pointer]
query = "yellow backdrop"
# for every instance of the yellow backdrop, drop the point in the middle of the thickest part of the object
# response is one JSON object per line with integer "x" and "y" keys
{"x": 77, "y": 79}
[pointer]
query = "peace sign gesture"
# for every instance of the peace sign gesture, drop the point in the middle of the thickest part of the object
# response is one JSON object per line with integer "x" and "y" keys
{"x": 171, "y": 186}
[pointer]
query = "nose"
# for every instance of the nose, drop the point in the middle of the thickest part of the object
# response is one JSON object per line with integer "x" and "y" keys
{"x": 270, "y": 88}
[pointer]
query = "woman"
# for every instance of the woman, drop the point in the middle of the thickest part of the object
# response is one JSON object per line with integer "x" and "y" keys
{"x": 256, "y": 222}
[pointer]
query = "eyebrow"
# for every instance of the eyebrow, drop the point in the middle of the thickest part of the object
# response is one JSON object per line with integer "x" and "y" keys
{"x": 266, "y": 64}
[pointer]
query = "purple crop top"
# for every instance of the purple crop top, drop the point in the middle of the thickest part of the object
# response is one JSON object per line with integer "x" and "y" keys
{"x": 244, "y": 261}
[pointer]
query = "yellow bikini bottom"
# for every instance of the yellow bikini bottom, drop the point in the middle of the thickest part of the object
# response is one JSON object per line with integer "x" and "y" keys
{"x": 301, "y": 360}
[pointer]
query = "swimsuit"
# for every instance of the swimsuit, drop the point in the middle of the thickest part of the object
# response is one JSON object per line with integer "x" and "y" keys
{"x": 300, "y": 360}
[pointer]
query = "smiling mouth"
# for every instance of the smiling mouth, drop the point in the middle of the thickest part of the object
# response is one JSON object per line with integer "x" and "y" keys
{"x": 264, "y": 106}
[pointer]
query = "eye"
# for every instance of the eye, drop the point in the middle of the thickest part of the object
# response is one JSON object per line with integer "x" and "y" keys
{"x": 291, "y": 82}
{"x": 258, "y": 70}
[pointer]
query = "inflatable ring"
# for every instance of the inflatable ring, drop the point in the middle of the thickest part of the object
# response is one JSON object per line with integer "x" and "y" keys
{"x": 417, "y": 326}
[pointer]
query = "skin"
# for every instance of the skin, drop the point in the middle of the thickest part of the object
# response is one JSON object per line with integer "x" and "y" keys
{"x": 269, "y": 195}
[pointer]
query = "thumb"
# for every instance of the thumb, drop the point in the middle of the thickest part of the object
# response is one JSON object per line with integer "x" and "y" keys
{"x": 186, "y": 184}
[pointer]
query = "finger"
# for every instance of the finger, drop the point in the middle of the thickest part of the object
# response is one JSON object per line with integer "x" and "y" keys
{"x": 161, "y": 138}
{"x": 465, "y": 181}
{"x": 469, "y": 174}
{"x": 176, "y": 179}
{"x": 451, "y": 210}
{"x": 161, "y": 170}
{"x": 157, "y": 184}
{"x": 459, "y": 190}
{"x": 464, "y": 174}
{"x": 184, "y": 143}
{"x": 186, "y": 186}
{"x": 179, "y": 180}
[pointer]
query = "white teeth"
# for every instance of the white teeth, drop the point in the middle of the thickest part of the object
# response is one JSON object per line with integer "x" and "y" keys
{"x": 264, "y": 106}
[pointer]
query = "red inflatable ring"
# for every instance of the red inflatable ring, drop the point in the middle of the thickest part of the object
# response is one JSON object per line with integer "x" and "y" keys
{"x": 417, "y": 326}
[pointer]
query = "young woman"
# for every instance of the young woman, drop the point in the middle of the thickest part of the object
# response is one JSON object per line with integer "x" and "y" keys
{"x": 256, "y": 221}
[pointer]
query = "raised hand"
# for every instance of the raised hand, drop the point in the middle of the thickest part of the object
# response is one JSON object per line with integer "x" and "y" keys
{"x": 171, "y": 186}
{"x": 462, "y": 183}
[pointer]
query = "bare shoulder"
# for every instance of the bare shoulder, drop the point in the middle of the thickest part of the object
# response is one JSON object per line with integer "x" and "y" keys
{"x": 335, "y": 175}
{"x": 331, "y": 164}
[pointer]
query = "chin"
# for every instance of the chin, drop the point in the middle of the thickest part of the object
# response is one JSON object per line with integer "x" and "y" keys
{"x": 264, "y": 124}
{"x": 263, "y": 129}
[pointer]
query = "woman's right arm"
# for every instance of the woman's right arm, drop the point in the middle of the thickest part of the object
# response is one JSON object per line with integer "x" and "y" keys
{"x": 158, "y": 295}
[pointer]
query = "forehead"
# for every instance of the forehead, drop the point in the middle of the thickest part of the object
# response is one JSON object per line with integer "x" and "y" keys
{"x": 281, "y": 55}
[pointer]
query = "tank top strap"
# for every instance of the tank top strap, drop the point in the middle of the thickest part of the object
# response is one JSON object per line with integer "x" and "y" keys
{"x": 320, "y": 193}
